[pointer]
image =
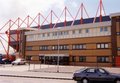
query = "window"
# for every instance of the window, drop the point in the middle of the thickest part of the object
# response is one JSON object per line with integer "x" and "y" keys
{"x": 118, "y": 33}
{"x": 102, "y": 45}
{"x": 80, "y": 31}
{"x": 73, "y": 32}
{"x": 29, "y": 48}
{"x": 73, "y": 58}
{"x": 54, "y": 33}
{"x": 55, "y": 47}
{"x": 61, "y": 47}
{"x": 119, "y": 49}
{"x": 65, "y": 32}
{"x": 102, "y": 71}
{"x": 44, "y": 47}
{"x": 48, "y": 34}
{"x": 90, "y": 70}
{"x": 103, "y": 29}
{"x": 87, "y": 30}
{"x": 82, "y": 59}
{"x": 102, "y": 59}
{"x": 79, "y": 46}
{"x": 28, "y": 58}
{"x": 61, "y": 33}
{"x": 43, "y": 35}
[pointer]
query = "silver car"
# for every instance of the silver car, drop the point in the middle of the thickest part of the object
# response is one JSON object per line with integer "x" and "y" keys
{"x": 19, "y": 62}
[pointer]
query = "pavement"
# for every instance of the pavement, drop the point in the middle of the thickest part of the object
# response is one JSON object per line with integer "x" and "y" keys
{"x": 44, "y": 71}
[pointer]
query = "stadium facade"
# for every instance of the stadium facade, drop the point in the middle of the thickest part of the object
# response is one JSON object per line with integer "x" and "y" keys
{"x": 87, "y": 44}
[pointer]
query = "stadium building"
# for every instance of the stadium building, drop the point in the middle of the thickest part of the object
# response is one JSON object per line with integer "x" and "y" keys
{"x": 87, "y": 44}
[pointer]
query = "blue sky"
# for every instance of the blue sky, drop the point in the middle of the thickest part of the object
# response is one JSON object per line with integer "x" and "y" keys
{"x": 11, "y": 9}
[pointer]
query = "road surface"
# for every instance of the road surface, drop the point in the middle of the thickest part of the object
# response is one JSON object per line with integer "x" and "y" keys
{"x": 32, "y": 80}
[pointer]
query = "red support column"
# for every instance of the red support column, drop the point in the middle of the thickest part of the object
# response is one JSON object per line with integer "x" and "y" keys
{"x": 38, "y": 20}
{"x": 81, "y": 20}
{"x": 100, "y": 10}
{"x": 65, "y": 16}
{"x": 8, "y": 33}
{"x": 28, "y": 21}
{"x": 51, "y": 19}
{"x": 17, "y": 32}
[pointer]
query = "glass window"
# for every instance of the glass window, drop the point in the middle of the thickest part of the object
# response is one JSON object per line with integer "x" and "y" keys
{"x": 90, "y": 71}
{"x": 48, "y": 34}
{"x": 29, "y": 48}
{"x": 44, "y": 47}
{"x": 28, "y": 58}
{"x": 106, "y": 46}
{"x": 84, "y": 46}
{"x": 66, "y": 32}
{"x": 73, "y": 58}
{"x": 79, "y": 46}
{"x": 82, "y": 59}
{"x": 102, "y": 59}
{"x": 43, "y": 35}
{"x": 80, "y": 31}
{"x": 103, "y": 45}
{"x": 98, "y": 45}
{"x": 73, "y": 46}
{"x": 102, "y": 71}
{"x": 73, "y": 31}
{"x": 118, "y": 49}
{"x": 87, "y": 30}
{"x": 105, "y": 29}
{"x": 118, "y": 33}
{"x": 101, "y": 29}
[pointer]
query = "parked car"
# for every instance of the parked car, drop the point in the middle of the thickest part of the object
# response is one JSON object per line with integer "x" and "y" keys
{"x": 6, "y": 61}
{"x": 19, "y": 62}
{"x": 87, "y": 75}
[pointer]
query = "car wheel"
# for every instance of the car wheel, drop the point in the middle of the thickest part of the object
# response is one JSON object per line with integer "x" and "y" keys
{"x": 84, "y": 80}
{"x": 117, "y": 81}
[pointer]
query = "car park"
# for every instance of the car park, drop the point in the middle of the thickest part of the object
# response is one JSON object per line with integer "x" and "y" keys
{"x": 88, "y": 75}
{"x": 19, "y": 61}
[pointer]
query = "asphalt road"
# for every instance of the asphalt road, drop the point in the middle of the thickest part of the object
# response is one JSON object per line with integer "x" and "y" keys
{"x": 32, "y": 80}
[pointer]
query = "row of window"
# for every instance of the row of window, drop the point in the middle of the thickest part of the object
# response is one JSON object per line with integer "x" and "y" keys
{"x": 100, "y": 59}
{"x": 74, "y": 47}
{"x": 102, "y": 29}
{"x": 79, "y": 47}
{"x": 61, "y": 33}
{"x": 102, "y": 45}
{"x": 61, "y": 47}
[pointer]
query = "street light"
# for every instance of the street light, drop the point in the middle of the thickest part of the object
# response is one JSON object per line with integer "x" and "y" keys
{"x": 58, "y": 52}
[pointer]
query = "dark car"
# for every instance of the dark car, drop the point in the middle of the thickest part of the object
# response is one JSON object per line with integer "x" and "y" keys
{"x": 87, "y": 75}
{"x": 6, "y": 61}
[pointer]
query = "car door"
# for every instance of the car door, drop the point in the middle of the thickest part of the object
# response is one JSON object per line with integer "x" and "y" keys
{"x": 104, "y": 76}
{"x": 91, "y": 74}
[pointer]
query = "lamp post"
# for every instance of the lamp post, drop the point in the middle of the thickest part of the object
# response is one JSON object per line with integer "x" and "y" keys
{"x": 58, "y": 52}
